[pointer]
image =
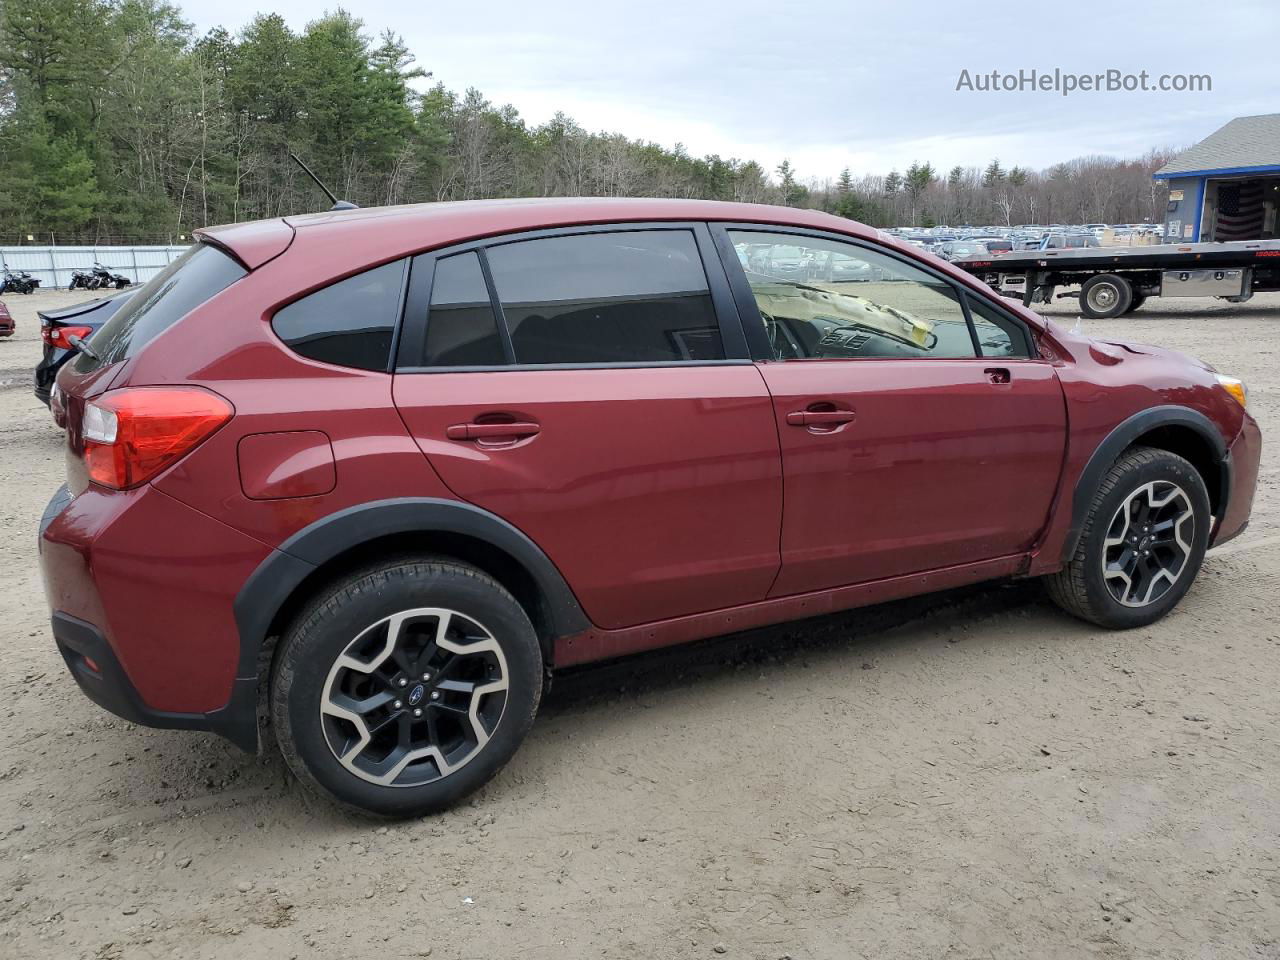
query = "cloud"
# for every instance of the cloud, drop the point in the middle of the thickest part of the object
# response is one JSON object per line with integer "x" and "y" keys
{"x": 830, "y": 84}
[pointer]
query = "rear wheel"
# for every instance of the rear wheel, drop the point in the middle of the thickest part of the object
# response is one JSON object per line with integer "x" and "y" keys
{"x": 1105, "y": 296}
{"x": 1138, "y": 300}
{"x": 404, "y": 687}
{"x": 1143, "y": 541}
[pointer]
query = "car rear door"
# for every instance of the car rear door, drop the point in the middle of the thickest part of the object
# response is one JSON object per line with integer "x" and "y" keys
{"x": 919, "y": 430}
{"x": 592, "y": 387}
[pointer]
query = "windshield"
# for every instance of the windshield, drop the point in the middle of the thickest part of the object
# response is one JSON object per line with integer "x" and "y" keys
{"x": 194, "y": 277}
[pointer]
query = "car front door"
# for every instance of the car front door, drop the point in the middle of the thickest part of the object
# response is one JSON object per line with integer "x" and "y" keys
{"x": 918, "y": 429}
{"x": 582, "y": 386}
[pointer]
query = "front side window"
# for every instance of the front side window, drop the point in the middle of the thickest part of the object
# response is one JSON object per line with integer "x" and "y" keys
{"x": 840, "y": 301}
{"x": 614, "y": 297}
{"x": 997, "y": 335}
{"x": 349, "y": 323}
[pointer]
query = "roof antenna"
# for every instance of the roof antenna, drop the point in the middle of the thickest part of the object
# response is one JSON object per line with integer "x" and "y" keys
{"x": 337, "y": 204}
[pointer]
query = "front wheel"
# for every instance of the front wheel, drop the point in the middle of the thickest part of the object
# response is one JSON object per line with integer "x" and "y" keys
{"x": 1143, "y": 541}
{"x": 405, "y": 687}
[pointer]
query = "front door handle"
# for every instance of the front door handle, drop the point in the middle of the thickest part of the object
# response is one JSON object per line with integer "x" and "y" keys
{"x": 492, "y": 431}
{"x": 809, "y": 418}
{"x": 998, "y": 374}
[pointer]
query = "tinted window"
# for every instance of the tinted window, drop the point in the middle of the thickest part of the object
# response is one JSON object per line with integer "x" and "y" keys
{"x": 461, "y": 330}
{"x": 199, "y": 273}
{"x": 634, "y": 297}
{"x": 998, "y": 336}
{"x": 852, "y": 303}
{"x": 349, "y": 323}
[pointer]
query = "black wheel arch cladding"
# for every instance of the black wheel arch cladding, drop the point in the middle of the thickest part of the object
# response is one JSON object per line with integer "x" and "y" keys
{"x": 1124, "y": 435}
{"x": 274, "y": 581}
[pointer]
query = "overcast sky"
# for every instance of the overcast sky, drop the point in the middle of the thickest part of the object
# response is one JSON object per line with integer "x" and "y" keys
{"x": 867, "y": 85}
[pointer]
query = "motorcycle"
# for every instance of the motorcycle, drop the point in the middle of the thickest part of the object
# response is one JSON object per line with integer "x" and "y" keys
{"x": 106, "y": 278}
{"x": 21, "y": 282}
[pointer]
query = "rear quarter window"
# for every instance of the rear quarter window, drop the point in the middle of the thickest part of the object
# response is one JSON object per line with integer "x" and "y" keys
{"x": 349, "y": 323}
{"x": 194, "y": 277}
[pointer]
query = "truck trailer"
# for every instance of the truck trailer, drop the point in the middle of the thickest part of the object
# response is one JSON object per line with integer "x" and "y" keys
{"x": 1114, "y": 281}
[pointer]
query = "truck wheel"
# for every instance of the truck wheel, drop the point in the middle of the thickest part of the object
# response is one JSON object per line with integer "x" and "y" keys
{"x": 405, "y": 686}
{"x": 1105, "y": 296}
{"x": 1142, "y": 544}
{"x": 1138, "y": 300}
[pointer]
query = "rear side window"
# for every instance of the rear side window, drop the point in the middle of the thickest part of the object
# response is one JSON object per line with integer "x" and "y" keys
{"x": 626, "y": 297}
{"x": 194, "y": 277}
{"x": 349, "y": 323}
{"x": 461, "y": 328}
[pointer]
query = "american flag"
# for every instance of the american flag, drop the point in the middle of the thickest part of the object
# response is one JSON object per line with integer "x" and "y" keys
{"x": 1240, "y": 210}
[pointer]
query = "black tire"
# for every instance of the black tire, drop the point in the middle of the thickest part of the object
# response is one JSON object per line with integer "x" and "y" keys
{"x": 1081, "y": 589}
{"x": 1105, "y": 296}
{"x": 1138, "y": 300}
{"x": 307, "y": 662}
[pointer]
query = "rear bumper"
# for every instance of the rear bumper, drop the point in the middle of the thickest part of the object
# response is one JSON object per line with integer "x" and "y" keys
{"x": 103, "y": 680}
{"x": 145, "y": 622}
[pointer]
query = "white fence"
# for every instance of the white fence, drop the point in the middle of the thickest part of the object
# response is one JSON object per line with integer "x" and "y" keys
{"x": 53, "y": 265}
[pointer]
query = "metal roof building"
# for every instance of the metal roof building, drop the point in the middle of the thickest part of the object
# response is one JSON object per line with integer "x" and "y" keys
{"x": 1227, "y": 186}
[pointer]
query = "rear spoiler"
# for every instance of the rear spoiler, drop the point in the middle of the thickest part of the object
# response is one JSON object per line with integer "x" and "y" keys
{"x": 253, "y": 243}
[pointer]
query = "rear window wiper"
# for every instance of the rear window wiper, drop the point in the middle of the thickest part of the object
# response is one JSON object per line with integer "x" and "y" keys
{"x": 82, "y": 345}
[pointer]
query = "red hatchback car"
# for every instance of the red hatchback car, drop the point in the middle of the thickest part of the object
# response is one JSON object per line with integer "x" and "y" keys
{"x": 380, "y": 471}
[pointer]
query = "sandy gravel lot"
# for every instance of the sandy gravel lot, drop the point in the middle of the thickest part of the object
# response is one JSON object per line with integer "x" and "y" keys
{"x": 974, "y": 775}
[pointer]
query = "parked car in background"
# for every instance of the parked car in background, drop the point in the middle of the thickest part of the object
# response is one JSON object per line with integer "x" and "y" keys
{"x": 962, "y": 250}
{"x": 781, "y": 259}
{"x": 996, "y": 246}
{"x": 378, "y": 472}
{"x": 59, "y": 327}
{"x": 7, "y": 324}
{"x": 835, "y": 267}
{"x": 1068, "y": 241}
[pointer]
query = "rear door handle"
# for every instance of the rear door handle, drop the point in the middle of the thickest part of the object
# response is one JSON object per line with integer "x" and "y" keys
{"x": 807, "y": 418}
{"x": 998, "y": 374}
{"x": 492, "y": 431}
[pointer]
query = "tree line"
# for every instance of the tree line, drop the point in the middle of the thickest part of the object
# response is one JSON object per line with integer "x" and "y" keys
{"x": 118, "y": 122}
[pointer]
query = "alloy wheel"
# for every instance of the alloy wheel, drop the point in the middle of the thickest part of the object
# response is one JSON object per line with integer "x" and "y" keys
{"x": 414, "y": 697}
{"x": 1148, "y": 543}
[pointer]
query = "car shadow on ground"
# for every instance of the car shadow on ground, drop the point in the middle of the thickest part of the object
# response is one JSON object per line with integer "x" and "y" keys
{"x": 842, "y": 634}
{"x": 175, "y": 780}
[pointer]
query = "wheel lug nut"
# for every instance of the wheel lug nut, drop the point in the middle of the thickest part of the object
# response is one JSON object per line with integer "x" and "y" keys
{"x": 417, "y": 711}
{"x": 435, "y": 694}
{"x": 426, "y": 676}
{"x": 398, "y": 704}
{"x": 402, "y": 682}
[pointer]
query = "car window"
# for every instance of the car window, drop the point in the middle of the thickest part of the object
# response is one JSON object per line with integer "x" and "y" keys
{"x": 461, "y": 328}
{"x": 349, "y": 323}
{"x": 866, "y": 306}
{"x": 998, "y": 336}
{"x": 194, "y": 277}
{"x": 626, "y": 297}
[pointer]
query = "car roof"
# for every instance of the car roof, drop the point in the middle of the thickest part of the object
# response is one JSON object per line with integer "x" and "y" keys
{"x": 385, "y": 232}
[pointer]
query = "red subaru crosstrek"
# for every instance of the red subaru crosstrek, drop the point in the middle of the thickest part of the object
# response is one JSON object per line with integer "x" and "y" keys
{"x": 388, "y": 468}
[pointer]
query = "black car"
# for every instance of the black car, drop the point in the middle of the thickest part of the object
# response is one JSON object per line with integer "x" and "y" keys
{"x": 57, "y": 327}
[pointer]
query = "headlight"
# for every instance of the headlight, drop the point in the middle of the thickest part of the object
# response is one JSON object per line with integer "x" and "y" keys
{"x": 1236, "y": 388}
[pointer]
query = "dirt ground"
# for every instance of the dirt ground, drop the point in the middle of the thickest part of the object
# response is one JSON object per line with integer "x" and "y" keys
{"x": 972, "y": 775}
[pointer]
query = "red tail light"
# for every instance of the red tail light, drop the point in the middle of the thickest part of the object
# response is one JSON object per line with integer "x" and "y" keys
{"x": 60, "y": 337}
{"x": 130, "y": 435}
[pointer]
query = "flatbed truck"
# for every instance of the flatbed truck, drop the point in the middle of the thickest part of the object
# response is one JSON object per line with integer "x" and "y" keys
{"x": 1115, "y": 281}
